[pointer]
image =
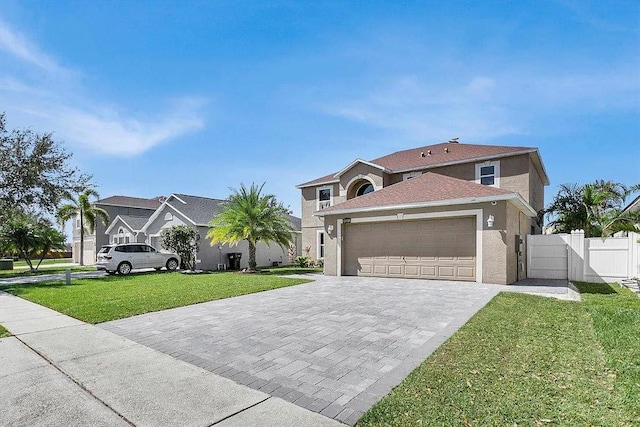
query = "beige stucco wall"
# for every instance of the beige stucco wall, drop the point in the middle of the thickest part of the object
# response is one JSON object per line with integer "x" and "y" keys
{"x": 498, "y": 243}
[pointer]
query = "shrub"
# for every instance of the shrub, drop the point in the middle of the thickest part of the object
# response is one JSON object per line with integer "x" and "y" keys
{"x": 302, "y": 261}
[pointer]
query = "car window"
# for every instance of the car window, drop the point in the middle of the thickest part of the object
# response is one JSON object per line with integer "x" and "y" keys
{"x": 120, "y": 249}
{"x": 104, "y": 250}
{"x": 151, "y": 249}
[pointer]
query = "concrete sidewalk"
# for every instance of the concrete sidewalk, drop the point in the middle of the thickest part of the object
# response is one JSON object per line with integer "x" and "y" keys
{"x": 57, "y": 370}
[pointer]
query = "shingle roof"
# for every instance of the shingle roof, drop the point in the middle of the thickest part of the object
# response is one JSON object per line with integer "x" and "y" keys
{"x": 198, "y": 209}
{"x": 413, "y": 159}
{"x": 135, "y": 222}
{"x": 409, "y": 159}
{"x": 134, "y": 202}
{"x": 201, "y": 210}
{"x": 296, "y": 222}
{"x": 428, "y": 187}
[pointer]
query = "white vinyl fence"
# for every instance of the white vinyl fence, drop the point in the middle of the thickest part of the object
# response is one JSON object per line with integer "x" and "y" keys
{"x": 574, "y": 257}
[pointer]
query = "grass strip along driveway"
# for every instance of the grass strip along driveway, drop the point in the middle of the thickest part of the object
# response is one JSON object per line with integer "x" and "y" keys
{"x": 524, "y": 361}
{"x": 8, "y": 274}
{"x": 115, "y": 297}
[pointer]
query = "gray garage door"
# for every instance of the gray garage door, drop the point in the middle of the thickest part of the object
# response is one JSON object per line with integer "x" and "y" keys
{"x": 427, "y": 249}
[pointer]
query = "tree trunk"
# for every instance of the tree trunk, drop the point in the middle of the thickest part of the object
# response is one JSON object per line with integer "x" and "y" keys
{"x": 252, "y": 256}
{"x": 81, "y": 238}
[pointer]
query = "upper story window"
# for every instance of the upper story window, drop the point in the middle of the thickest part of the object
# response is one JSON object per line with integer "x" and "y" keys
{"x": 488, "y": 173}
{"x": 324, "y": 197}
{"x": 410, "y": 175}
{"x": 168, "y": 216}
{"x": 77, "y": 221}
{"x": 365, "y": 189}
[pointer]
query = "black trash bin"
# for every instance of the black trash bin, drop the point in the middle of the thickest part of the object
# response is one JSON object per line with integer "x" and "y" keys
{"x": 234, "y": 260}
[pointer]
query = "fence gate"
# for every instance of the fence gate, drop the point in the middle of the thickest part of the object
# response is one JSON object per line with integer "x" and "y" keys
{"x": 547, "y": 256}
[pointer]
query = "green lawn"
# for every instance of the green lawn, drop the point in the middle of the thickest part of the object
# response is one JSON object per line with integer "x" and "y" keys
{"x": 7, "y": 274}
{"x": 286, "y": 270}
{"x": 116, "y": 297}
{"x": 4, "y": 332}
{"x": 529, "y": 361}
{"x": 45, "y": 262}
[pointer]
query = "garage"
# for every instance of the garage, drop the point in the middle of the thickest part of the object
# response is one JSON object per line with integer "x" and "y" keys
{"x": 427, "y": 249}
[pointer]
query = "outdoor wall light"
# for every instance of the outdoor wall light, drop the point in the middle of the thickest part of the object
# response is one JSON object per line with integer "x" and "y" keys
{"x": 329, "y": 228}
{"x": 490, "y": 221}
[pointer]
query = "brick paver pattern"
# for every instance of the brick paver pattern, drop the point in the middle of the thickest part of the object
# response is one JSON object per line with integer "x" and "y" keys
{"x": 334, "y": 346}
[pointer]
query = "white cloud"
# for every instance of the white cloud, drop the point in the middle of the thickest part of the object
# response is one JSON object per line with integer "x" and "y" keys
{"x": 418, "y": 111}
{"x": 50, "y": 98}
{"x": 477, "y": 108}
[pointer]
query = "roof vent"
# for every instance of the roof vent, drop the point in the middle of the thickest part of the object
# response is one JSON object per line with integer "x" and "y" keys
{"x": 422, "y": 154}
{"x": 446, "y": 149}
{"x": 453, "y": 140}
{"x": 429, "y": 152}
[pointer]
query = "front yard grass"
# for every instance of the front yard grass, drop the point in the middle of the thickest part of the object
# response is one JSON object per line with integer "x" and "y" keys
{"x": 45, "y": 262}
{"x": 115, "y": 297}
{"x": 8, "y": 274}
{"x": 289, "y": 269}
{"x": 528, "y": 361}
{"x": 4, "y": 332}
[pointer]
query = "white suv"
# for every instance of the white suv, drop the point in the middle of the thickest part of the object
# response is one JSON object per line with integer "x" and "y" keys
{"x": 125, "y": 257}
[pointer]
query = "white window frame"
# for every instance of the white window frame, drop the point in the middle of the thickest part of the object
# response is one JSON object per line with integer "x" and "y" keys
{"x": 168, "y": 216}
{"x": 410, "y": 175}
{"x": 321, "y": 245}
{"x": 78, "y": 221}
{"x": 323, "y": 205}
{"x": 496, "y": 172}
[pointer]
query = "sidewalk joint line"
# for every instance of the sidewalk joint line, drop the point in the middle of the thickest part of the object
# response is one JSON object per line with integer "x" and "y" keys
{"x": 79, "y": 384}
{"x": 240, "y": 411}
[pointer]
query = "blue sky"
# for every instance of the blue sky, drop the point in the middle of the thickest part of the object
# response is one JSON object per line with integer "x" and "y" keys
{"x": 195, "y": 97}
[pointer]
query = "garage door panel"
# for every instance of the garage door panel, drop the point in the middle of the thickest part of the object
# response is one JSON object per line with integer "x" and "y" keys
{"x": 446, "y": 271}
{"x": 432, "y": 249}
{"x": 428, "y": 271}
{"x": 465, "y": 272}
{"x": 395, "y": 270}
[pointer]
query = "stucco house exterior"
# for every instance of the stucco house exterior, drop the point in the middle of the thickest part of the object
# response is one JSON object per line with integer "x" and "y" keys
{"x": 123, "y": 206}
{"x": 449, "y": 211}
{"x": 195, "y": 211}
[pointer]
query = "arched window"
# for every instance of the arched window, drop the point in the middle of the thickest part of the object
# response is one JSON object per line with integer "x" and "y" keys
{"x": 168, "y": 216}
{"x": 365, "y": 188}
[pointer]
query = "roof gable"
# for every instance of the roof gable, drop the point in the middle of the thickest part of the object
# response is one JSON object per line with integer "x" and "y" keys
{"x": 133, "y": 223}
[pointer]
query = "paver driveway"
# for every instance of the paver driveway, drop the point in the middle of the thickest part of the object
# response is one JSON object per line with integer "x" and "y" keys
{"x": 334, "y": 346}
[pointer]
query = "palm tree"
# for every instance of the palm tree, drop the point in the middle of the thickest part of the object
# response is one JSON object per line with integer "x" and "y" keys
{"x": 249, "y": 215}
{"x": 595, "y": 208}
{"x": 88, "y": 213}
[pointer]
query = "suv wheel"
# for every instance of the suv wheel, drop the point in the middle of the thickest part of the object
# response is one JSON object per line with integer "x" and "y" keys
{"x": 172, "y": 264}
{"x": 124, "y": 268}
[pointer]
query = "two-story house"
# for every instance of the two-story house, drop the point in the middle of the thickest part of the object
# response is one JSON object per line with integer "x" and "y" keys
{"x": 448, "y": 211}
{"x": 132, "y": 210}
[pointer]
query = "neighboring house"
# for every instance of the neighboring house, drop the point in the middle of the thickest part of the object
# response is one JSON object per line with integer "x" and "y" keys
{"x": 633, "y": 206}
{"x": 194, "y": 211}
{"x": 123, "y": 206}
{"x": 446, "y": 211}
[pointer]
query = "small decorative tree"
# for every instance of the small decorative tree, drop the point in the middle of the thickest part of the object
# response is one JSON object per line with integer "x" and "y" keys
{"x": 183, "y": 240}
{"x": 292, "y": 252}
{"x": 30, "y": 237}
